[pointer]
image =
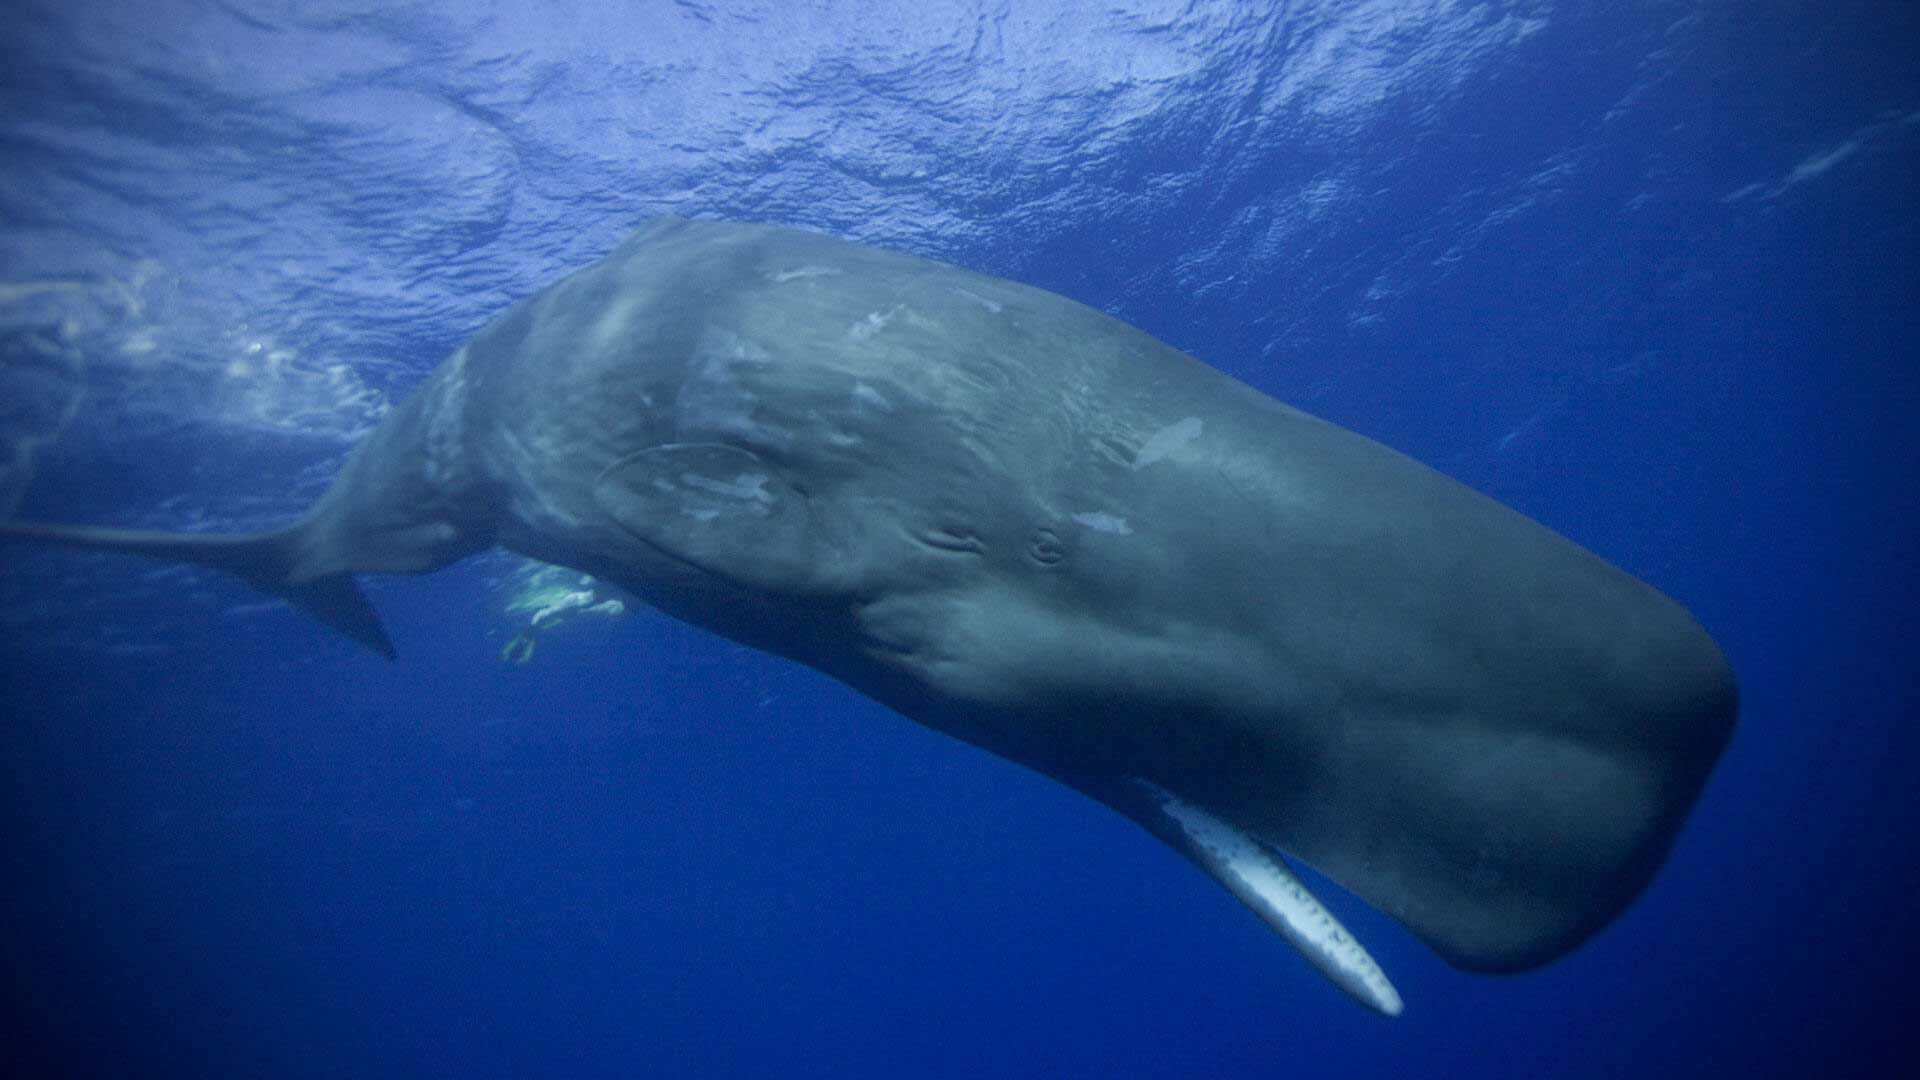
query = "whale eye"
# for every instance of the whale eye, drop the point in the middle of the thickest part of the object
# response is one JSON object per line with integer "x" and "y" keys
{"x": 1046, "y": 547}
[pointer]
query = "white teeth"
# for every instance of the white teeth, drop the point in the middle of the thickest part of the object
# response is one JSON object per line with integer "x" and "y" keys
{"x": 1264, "y": 883}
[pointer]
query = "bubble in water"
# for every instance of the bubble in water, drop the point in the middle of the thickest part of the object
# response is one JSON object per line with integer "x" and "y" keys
{"x": 40, "y": 386}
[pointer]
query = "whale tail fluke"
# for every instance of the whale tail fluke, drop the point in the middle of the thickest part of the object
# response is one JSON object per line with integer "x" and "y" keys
{"x": 268, "y": 561}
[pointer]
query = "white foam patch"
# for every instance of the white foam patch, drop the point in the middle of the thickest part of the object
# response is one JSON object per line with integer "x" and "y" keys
{"x": 867, "y": 395}
{"x": 1167, "y": 441}
{"x": 1101, "y": 521}
{"x": 1265, "y": 884}
{"x": 1824, "y": 161}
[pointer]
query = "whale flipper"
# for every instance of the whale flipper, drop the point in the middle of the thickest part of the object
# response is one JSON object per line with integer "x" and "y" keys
{"x": 268, "y": 561}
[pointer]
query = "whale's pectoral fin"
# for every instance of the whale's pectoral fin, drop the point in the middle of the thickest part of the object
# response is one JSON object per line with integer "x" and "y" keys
{"x": 269, "y": 561}
{"x": 337, "y": 601}
{"x": 730, "y": 513}
{"x": 1262, "y": 881}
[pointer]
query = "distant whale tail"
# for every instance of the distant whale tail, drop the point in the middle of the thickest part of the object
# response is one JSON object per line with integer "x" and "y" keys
{"x": 268, "y": 561}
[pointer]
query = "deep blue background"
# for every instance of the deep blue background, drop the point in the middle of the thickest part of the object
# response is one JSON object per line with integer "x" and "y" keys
{"x": 1645, "y": 271}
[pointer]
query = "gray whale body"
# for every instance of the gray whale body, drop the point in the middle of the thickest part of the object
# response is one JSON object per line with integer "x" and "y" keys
{"x": 1028, "y": 525}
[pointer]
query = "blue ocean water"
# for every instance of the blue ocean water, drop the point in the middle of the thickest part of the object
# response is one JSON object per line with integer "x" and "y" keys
{"x": 1645, "y": 271}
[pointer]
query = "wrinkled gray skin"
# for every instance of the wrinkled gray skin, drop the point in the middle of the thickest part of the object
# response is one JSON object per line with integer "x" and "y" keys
{"x": 1023, "y": 523}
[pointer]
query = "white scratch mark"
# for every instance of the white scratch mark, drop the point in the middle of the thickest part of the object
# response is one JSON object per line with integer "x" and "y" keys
{"x": 993, "y": 306}
{"x": 1164, "y": 443}
{"x": 781, "y": 277}
{"x": 749, "y": 486}
{"x": 874, "y": 323}
{"x": 1101, "y": 521}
